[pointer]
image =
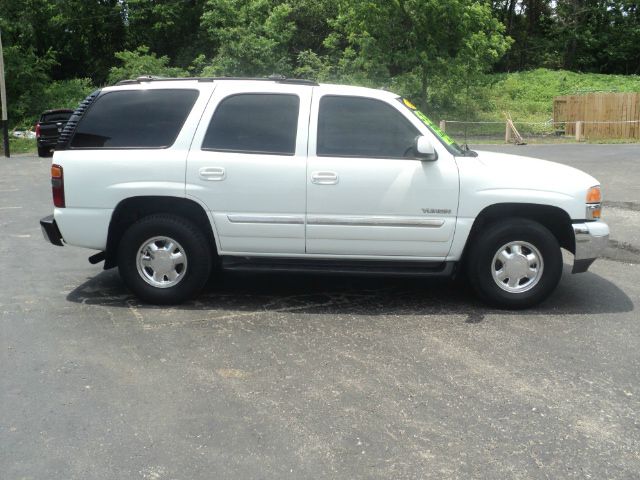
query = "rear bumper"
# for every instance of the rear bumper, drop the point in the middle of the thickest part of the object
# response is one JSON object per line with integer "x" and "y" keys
{"x": 591, "y": 240}
{"x": 47, "y": 141}
{"x": 50, "y": 231}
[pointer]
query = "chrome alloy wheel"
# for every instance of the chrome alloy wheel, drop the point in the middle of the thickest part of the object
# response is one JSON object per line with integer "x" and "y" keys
{"x": 517, "y": 267}
{"x": 161, "y": 262}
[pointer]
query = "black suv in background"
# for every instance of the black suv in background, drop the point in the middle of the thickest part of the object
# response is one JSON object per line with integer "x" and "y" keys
{"x": 48, "y": 129}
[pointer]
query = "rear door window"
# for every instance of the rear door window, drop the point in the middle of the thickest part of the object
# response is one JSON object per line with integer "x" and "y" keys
{"x": 254, "y": 123}
{"x": 135, "y": 119}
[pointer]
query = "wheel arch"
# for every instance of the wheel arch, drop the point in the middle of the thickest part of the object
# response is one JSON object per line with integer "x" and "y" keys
{"x": 554, "y": 218}
{"x": 132, "y": 209}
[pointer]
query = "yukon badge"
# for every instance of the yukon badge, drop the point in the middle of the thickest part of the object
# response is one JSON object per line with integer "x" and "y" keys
{"x": 440, "y": 211}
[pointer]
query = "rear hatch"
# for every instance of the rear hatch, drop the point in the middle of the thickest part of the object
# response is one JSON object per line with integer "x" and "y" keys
{"x": 52, "y": 123}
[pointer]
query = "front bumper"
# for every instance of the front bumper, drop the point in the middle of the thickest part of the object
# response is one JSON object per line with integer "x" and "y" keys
{"x": 50, "y": 230}
{"x": 591, "y": 240}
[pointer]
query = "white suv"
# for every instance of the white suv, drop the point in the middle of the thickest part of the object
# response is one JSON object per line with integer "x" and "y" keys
{"x": 169, "y": 178}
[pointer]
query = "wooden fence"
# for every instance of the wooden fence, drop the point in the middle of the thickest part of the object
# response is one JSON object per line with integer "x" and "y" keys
{"x": 599, "y": 115}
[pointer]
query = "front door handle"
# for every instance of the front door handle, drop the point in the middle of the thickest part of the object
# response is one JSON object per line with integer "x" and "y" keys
{"x": 214, "y": 174}
{"x": 324, "y": 178}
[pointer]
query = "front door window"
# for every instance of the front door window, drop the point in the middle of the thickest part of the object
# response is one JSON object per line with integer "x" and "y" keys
{"x": 363, "y": 127}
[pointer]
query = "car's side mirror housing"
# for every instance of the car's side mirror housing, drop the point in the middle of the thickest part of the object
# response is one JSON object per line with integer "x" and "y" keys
{"x": 425, "y": 150}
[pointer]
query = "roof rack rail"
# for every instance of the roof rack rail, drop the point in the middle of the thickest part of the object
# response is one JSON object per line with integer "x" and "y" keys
{"x": 272, "y": 78}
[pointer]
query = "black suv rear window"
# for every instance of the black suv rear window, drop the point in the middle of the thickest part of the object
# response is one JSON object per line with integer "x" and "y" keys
{"x": 254, "y": 123}
{"x": 135, "y": 119}
{"x": 55, "y": 116}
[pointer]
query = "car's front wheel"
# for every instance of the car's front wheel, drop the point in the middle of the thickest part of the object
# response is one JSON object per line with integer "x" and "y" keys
{"x": 164, "y": 259}
{"x": 515, "y": 263}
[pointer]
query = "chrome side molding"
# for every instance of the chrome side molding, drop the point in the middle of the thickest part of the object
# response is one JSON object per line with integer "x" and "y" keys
{"x": 375, "y": 221}
{"x": 267, "y": 219}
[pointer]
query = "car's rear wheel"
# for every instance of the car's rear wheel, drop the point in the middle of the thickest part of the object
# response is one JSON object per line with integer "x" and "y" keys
{"x": 45, "y": 152}
{"x": 164, "y": 259}
{"x": 516, "y": 263}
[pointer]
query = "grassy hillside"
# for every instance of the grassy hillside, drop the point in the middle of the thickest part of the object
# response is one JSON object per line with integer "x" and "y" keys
{"x": 528, "y": 96}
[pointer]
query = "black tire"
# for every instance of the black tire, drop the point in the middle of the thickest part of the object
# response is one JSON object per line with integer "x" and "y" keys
{"x": 483, "y": 261}
{"x": 45, "y": 152}
{"x": 192, "y": 243}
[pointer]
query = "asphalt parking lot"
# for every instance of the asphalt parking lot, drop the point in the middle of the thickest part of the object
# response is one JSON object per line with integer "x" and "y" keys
{"x": 273, "y": 377}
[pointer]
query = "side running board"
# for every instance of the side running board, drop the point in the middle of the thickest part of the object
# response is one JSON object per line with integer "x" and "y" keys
{"x": 338, "y": 267}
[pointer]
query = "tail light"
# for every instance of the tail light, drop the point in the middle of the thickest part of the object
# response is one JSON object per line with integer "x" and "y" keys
{"x": 38, "y": 130}
{"x": 57, "y": 185}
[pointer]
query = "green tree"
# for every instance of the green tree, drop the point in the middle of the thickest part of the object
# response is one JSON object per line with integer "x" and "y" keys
{"x": 26, "y": 69}
{"x": 599, "y": 35}
{"x": 580, "y": 35}
{"x": 531, "y": 24}
{"x": 431, "y": 48}
{"x": 249, "y": 37}
{"x": 142, "y": 62}
{"x": 27, "y": 74}
{"x": 168, "y": 28}
{"x": 85, "y": 34}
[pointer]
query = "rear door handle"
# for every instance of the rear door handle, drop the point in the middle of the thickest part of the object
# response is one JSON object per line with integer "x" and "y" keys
{"x": 214, "y": 174}
{"x": 324, "y": 178}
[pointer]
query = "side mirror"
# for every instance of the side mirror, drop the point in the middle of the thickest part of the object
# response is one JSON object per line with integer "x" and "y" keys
{"x": 425, "y": 150}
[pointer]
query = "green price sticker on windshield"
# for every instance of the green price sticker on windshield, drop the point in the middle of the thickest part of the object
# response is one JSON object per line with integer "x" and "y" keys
{"x": 424, "y": 119}
{"x": 446, "y": 138}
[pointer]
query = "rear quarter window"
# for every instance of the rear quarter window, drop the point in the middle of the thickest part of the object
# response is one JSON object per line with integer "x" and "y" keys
{"x": 135, "y": 119}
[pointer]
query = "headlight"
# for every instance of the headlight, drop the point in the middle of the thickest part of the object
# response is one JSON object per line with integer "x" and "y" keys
{"x": 594, "y": 203}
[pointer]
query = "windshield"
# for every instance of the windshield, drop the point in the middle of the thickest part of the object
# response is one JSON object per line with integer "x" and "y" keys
{"x": 446, "y": 140}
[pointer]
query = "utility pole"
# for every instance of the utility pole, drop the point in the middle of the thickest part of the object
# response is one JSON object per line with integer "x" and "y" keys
{"x": 3, "y": 98}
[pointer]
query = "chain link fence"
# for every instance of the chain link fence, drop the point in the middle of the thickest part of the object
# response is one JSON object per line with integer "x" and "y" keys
{"x": 541, "y": 132}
